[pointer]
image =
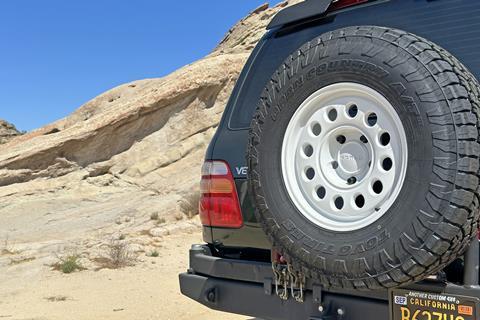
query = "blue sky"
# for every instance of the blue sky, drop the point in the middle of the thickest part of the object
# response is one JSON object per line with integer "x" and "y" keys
{"x": 56, "y": 55}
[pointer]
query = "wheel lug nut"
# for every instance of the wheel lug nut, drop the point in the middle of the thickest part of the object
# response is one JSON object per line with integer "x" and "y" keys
{"x": 335, "y": 165}
{"x": 363, "y": 139}
{"x": 341, "y": 139}
{"x": 352, "y": 180}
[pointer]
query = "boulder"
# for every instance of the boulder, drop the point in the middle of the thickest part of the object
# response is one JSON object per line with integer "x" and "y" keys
{"x": 7, "y": 132}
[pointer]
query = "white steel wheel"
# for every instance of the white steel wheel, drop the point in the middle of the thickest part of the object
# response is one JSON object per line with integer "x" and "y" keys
{"x": 344, "y": 157}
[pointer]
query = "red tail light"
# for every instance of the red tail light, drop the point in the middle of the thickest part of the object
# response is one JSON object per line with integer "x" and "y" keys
{"x": 340, "y": 4}
{"x": 219, "y": 205}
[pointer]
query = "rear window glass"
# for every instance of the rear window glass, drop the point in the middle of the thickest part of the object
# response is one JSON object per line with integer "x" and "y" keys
{"x": 270, "y": 57}
{"x": 246, "y": 101}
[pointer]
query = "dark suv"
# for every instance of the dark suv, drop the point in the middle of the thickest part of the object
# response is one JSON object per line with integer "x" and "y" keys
{"x": 343, "y": 179}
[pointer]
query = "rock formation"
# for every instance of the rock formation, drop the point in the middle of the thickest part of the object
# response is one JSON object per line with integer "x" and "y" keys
{"x": 7, "y": 132}
{"x": 126, "y": 156}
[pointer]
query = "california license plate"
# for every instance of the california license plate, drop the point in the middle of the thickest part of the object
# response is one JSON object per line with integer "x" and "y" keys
{"x": 416, "y": 305}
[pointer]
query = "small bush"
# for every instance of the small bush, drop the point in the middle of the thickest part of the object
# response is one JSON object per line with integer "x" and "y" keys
{"x": 117, "y": 256}
{"x": 154, "y": 216}
{"x": 122, "y": 237}
{"x": 161, "y": 220}
{"x": 68, "y": 264}
{"x": 189, "y": 204}
{"x": 154, "y": 254}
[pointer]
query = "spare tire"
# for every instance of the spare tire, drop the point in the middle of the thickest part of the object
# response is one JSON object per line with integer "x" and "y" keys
{"x": 364, "y": 158}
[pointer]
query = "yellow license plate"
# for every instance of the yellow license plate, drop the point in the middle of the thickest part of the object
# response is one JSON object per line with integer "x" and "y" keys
{"x": 416, "y": 305}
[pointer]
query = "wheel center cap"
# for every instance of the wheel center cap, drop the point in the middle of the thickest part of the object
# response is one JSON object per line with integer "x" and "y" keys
{"x": 353, "y": 157}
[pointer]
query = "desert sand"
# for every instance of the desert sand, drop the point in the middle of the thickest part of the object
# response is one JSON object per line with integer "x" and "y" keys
{"x": 148, "y": 290}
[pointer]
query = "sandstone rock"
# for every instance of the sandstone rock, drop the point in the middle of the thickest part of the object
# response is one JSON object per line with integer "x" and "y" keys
{"x": 244, "y": 35}
{"x": 133, "y": 150}
{"x": 7, "y": 132}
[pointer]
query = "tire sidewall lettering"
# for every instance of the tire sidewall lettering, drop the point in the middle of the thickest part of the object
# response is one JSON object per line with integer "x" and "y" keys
{"x": 370, "y": 244}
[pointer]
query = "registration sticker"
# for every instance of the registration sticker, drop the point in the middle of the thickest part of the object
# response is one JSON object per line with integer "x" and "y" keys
{"x": 400, "y": 300}
{"x": 416, "y": 305}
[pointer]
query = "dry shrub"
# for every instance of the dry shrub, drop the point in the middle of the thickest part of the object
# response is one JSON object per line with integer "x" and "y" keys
{"x": 189, "y": 204}
{"x": 20, "y": 260}
{"x": 56, "y": 298}
{"x": 118, "y": 255}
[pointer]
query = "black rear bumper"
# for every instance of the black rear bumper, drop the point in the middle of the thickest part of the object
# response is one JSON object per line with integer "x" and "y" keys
{"x": 246, "y": 287}
{"x": 250, "y": 299}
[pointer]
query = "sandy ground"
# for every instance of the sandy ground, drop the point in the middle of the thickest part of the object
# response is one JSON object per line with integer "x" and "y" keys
{"x": 146, "y": 291}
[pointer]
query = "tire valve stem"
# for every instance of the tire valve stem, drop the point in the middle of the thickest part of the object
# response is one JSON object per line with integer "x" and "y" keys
{"x": 352, "y": 180}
